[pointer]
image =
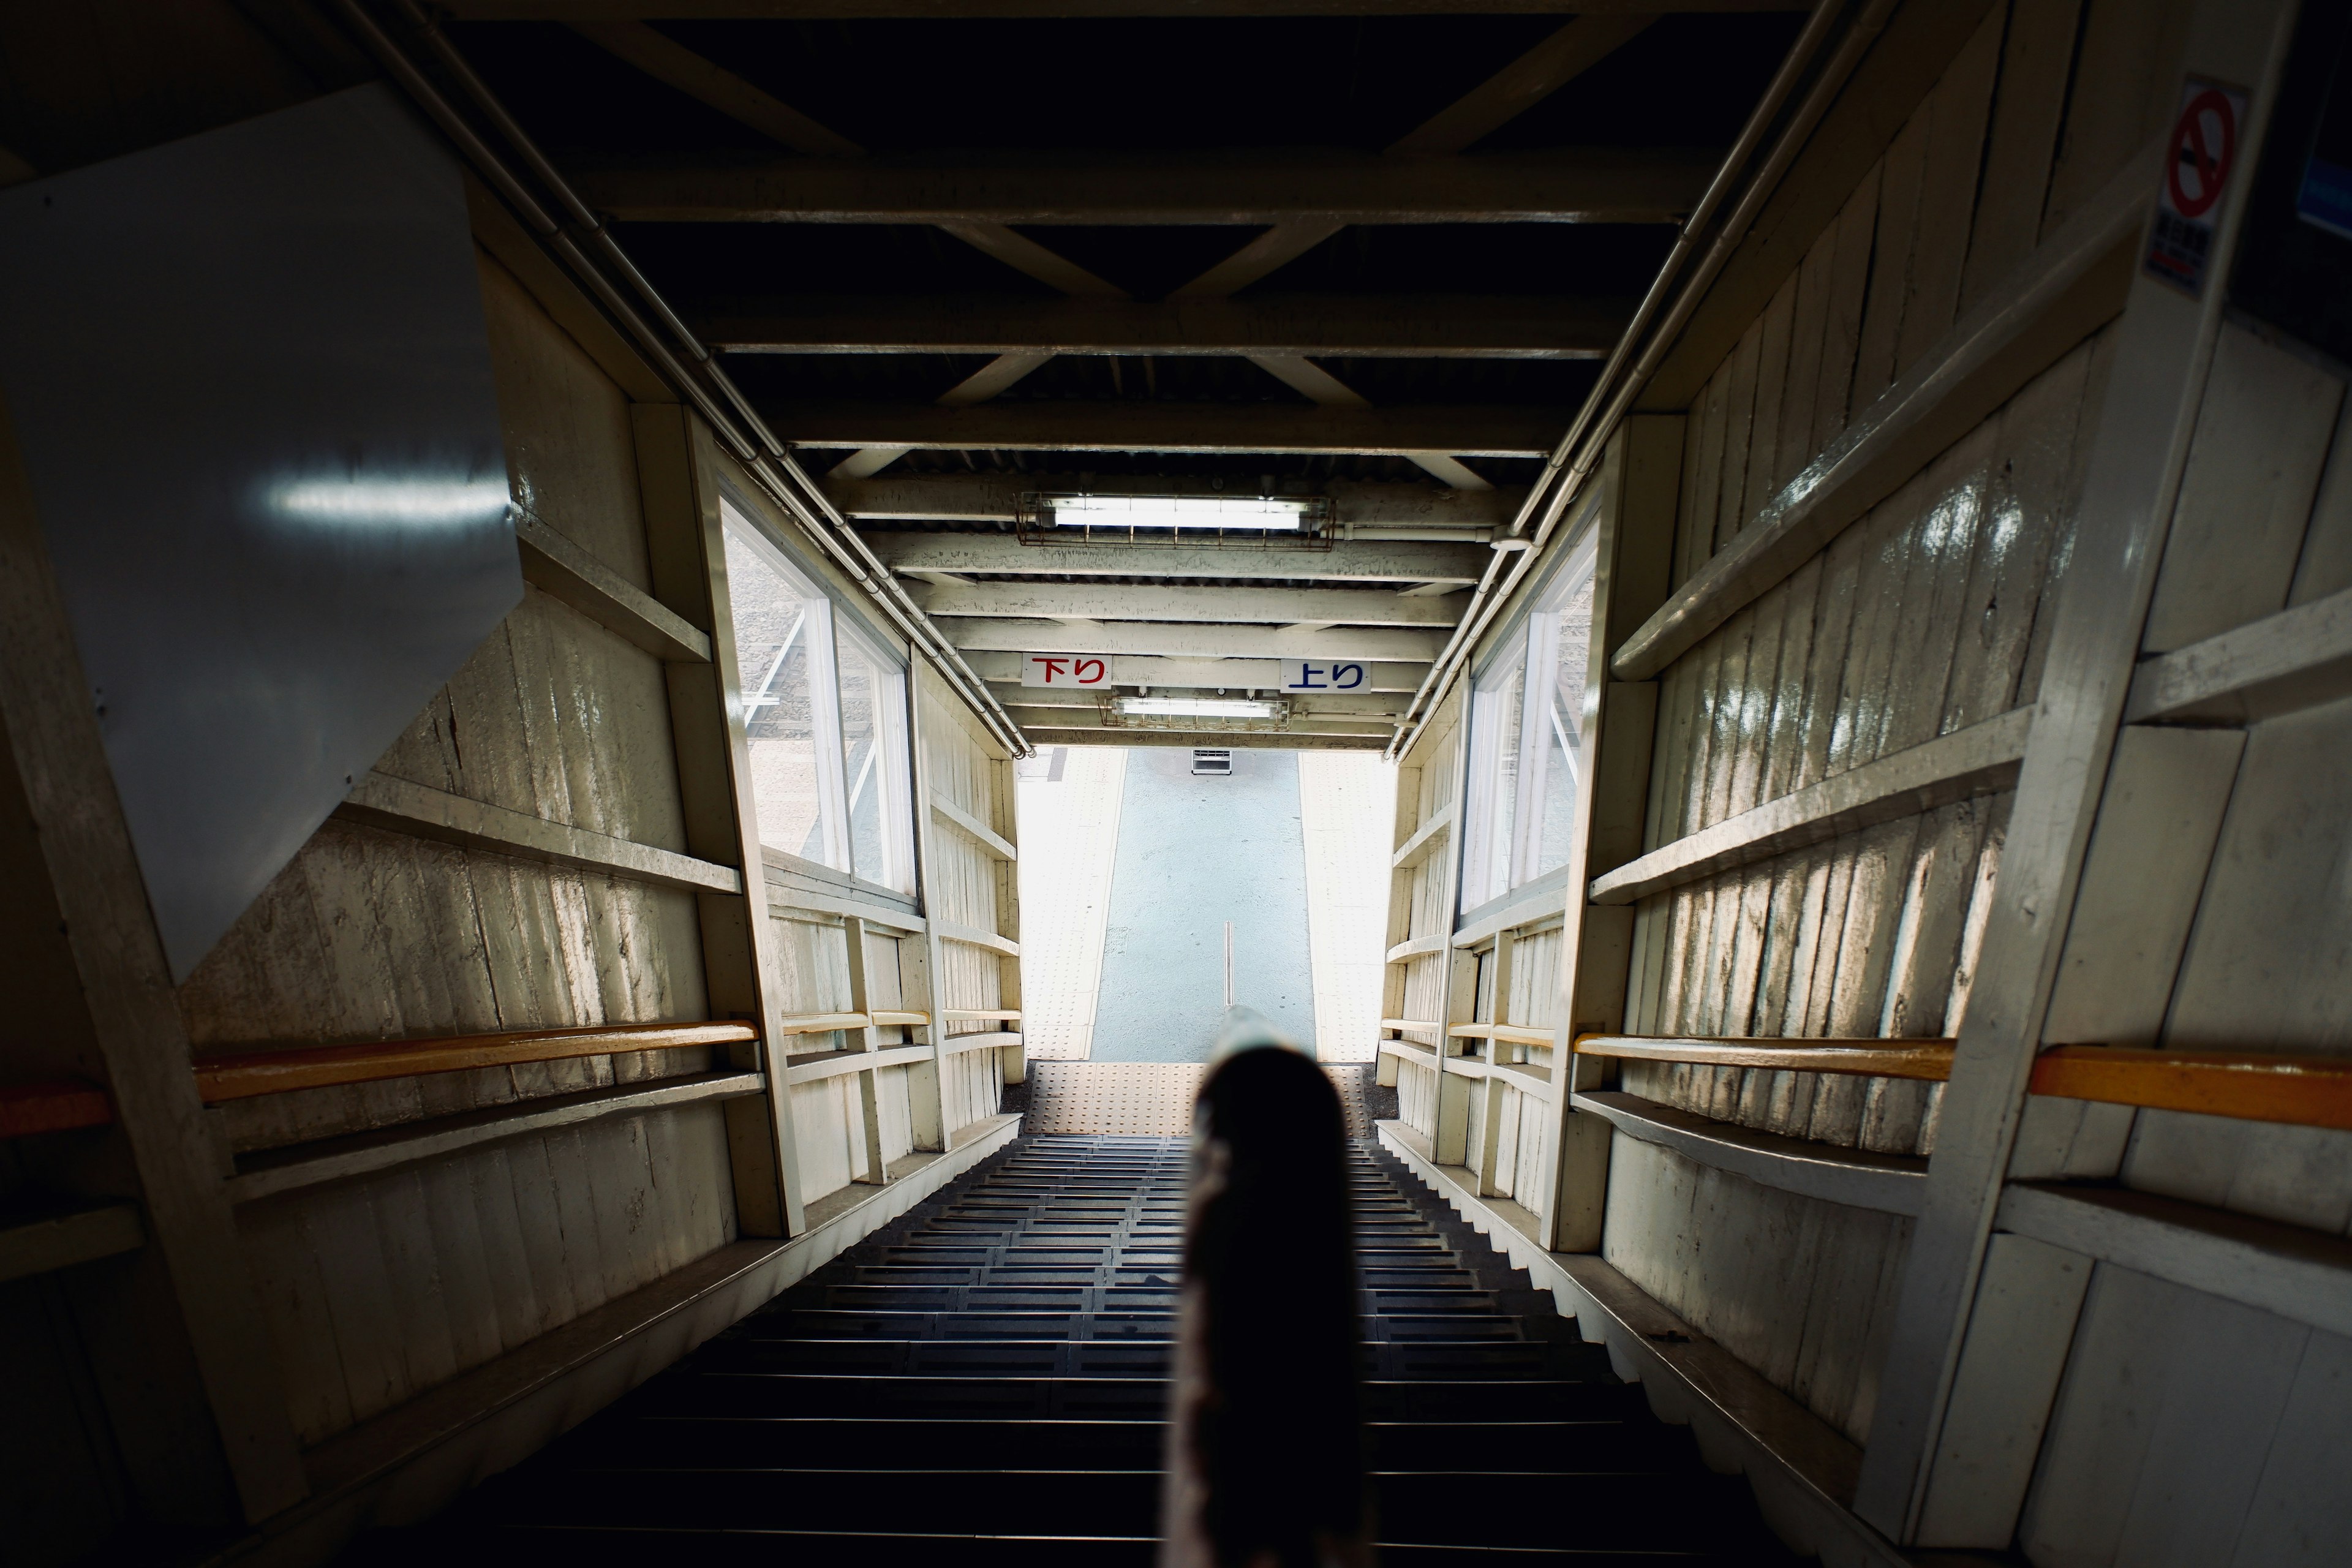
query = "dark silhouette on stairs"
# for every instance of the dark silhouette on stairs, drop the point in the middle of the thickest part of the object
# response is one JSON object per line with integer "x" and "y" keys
{"x": 983, "y": 1382}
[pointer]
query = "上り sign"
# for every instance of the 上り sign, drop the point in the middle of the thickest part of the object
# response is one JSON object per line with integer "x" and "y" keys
{"x": 1325, "y": 674}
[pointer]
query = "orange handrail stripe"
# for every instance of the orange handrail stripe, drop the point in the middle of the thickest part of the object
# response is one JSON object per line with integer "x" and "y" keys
{"x": 2308, "y": 1092}
{"x": 59, "y": 1107}
{"x": 1927, "y": 1060}
{"x": 251, "y": 1073}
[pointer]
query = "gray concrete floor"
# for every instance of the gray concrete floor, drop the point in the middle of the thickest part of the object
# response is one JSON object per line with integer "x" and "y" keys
{"x": 1193, "y": 853}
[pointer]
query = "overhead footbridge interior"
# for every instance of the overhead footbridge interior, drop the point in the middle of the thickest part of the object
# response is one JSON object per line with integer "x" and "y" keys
{"x": 554, "y": 556}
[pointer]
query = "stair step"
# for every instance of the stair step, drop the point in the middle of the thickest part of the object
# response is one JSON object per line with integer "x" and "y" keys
{"x": 923, "y": 1443}
{"x": 819, "y": 1393}
{"x": 983, "y": 1382}
{"x": 1606, "y": 1509}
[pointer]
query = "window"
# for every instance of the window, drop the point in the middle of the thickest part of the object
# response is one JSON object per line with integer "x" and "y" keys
{"x": 824, "y": 712}
{"x": 1527, "y": 713}
{"x": 874, "y": 762}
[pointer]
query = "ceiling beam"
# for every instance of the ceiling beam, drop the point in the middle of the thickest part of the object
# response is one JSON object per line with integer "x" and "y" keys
{"x": 966, "y": 553}
{"x": 996, "y": 498}
{"x": 1419, "y": 326}
{"x": 1066, "y": 724}
{"x": 1198, "y": 674}
{"x": 1574, "y": 185}
{"x": 1471, "y": 430}
{"x": 1382, "y": 705}
{"x": 940, "y": 10}
{"x": 1192, "y": 602}
{"x": 1393, "y": 644}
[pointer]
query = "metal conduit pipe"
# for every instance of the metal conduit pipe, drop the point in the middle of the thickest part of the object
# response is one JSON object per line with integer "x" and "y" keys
{"x": 765, "y": 457}
{"x": 770, "y": 461}
{"x": 1581, "y": 447}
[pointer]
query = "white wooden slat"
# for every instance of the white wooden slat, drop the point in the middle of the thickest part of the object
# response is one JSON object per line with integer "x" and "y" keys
{"x": 2272, "y": 917}
{"x": 1980, "y": 759}
{"x": 2020, "y": 1330}
{"x": 979, "y": 832}
{"x": 837, "y": 1064}
{"x": 380, "y": 801}
{"x": 1531, "y": 904}
{"x": 2054, "y": 298}
{"x": 562, "y": 570}
{"x": 59, "y": 1241}
{"x": 288, "y": 1170}
{"x": 2296, "y": 658}
{"x": 1891, "y": 1183}
{"x": 2254, "y": 463}
{"x": 2299, "y": 1275}
{"x": 973, "y": 936}
{"x": 2162, "y": 1427}
{"x": 1426, "y": 839}
{"x": 791, "y": 896}
{"x": 2301, "y": 1513}
{"x": 2166, "y": 790}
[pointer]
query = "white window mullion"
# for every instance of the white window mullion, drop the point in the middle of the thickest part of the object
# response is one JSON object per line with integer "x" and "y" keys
{"x": 825, "y": 679}
{"x": 1543, "y": 653}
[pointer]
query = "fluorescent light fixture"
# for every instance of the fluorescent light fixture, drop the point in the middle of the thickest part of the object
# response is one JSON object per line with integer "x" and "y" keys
{"x": 1198, "y": 707}
{"x": 1267, "y": 512}
{"x": 397, "y": 503}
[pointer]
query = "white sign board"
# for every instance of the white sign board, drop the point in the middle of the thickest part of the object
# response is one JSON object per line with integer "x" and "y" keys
{"x": 1086, "y": 669}
{"x": 1326, "y": 675}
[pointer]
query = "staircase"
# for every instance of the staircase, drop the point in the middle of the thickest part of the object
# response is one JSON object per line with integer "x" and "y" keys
{"x": 983, "y": 1383}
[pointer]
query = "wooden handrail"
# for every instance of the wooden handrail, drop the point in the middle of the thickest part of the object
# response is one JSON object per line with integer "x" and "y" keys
{"x": 1927, "y": 1059}
{"x": 58, "y": 1107}
{"x": 1410, "y": 1023}
{"x": 905, "y": 1020}
{"x": 251, "y": 1073}
{"x": 1509, "y": 1034}
{"x": 822, "y": 1023}
{"x": 2308, "y": 1092}
{"x": 983, "y": 1015}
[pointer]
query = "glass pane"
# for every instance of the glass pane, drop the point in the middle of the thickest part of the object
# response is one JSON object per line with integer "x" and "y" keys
{"x": 1563, "y": 765}
{"x": 781, "y": 624}
{"x": 874, "y": 765}
{"x": 1494, "y": 712}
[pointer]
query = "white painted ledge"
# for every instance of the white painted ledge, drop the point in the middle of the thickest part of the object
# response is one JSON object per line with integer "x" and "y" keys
{"x": 1979, "y": 760}
{"x": 1802, "y": 1469}
{"x": 52, "y": 1242}
{"x": 286, "y": 1170}
{"x": 2295, "y": 659}
{"x": 1891, "y": 1183}
{"x": 2304, "y": 1276}
{"x": 401, "y": 806}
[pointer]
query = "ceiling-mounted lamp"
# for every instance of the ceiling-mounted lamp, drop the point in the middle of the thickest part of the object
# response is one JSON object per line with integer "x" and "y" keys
{"x": 1275, "y": 513}
{"x": 1196, "y": 707}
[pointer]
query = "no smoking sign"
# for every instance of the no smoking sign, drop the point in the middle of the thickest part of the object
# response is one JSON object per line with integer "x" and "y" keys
{"x": 2201, "y": 155}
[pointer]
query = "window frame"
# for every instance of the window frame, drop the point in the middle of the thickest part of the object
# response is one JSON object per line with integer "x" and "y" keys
{"x": 748, "y": 518}
{"x": 1528, "y": 643}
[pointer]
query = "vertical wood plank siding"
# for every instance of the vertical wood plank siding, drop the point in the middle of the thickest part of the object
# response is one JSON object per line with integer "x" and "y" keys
{"x": 969, "y": 886}
{"x": 1920, "y": 618}
{"x": 380, "y": 1288}
{"x": 1929, "y": 614}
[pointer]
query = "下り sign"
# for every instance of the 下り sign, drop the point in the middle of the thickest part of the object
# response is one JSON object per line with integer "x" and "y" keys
{"x": 1064, "y": 669}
